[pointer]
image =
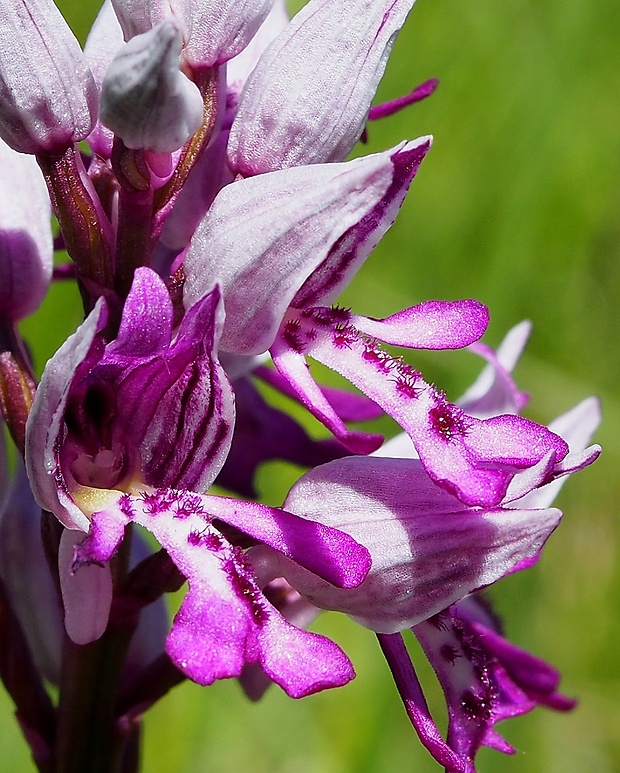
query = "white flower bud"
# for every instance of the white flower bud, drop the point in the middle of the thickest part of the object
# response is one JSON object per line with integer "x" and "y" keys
{"x": 146, "y": 100}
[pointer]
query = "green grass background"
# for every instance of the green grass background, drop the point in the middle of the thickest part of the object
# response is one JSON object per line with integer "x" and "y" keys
{"x": 516, "y": 205}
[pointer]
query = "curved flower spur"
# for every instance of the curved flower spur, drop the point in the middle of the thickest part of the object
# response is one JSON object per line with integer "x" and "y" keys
{"x": 211, "y": 227}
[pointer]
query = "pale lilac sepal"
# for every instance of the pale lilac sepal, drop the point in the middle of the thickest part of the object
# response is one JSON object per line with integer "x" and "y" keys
{"x": 399, "y": 447}
{"x": 263, "y": 237}
{"x": 307, "y": 100}
{"x": 139, "y": 16}
{"x": 239, "y": 67}
{"x": 145, "y": 98}
{"x": 26, "y": 249}
{"x": 86, "y": 592}
{"x": 48, "y": 98}
{"x": 46, "y": 419}
{"x": 347, "y": 256}
{"x": 218, "y": 30}
{"x": 104, "y": 40}
{"x": 414, "y": 530}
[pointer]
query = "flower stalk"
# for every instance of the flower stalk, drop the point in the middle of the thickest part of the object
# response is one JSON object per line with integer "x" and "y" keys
{"x": 89, "y": 735}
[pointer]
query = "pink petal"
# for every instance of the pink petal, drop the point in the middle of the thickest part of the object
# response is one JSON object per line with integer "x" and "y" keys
{"x": 429, "y": 325}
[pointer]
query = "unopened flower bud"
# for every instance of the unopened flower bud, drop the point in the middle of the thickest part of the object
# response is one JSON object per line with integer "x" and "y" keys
{"x": 146, "y": 99}
{"x": 48, "y": 98}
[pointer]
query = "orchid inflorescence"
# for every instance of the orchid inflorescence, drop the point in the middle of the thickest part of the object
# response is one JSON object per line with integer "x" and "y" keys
{"x": 194, "y": 155}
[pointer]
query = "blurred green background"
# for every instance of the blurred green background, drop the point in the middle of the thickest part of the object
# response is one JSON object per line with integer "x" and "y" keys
{"x": 516, "y": 205}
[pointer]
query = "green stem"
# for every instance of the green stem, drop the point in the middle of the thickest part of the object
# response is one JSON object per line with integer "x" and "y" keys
{"x": 88, "y": 736}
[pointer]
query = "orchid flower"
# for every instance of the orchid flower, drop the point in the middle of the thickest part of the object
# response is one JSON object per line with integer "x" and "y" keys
{"x": 99, "y": 478}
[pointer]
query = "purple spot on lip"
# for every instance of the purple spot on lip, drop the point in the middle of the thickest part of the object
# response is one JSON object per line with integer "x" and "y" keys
{"x": 196, "y": 538}
{"x": 407, "y": 382}
{"x": 446, "y": 421}
{"x": 126, "y": 506}
{"x": 374, "y": 354}
{"x": 345, "y": 336}
{"x": 475, "y": 706}
{"x": 292, "y": 334}
{"x": 449, "y": 653}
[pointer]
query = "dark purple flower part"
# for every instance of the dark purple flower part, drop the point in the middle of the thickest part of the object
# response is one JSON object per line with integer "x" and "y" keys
{"x": 262, "y": 433}
{"x": 485, "y": 678}
{"x": 538, "y": 680}
{"x": 144, "y": 407}
{"x": 111, "y": 415}
{"x": 415, "y": 704}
